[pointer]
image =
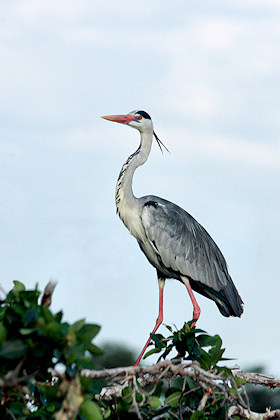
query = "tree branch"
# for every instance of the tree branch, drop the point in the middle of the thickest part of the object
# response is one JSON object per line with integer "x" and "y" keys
{"x": 150, "y": 374}
{"x": 191, "y": 369}
{"x": 208, "y": 380}
{"x": 251, "y": 415}
{"x": 258, "y": 379}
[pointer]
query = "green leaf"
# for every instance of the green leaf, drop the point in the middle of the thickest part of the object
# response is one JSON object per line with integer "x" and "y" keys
{"x": 3, "y": 333}
{"x": 13, "y": 349}
{"x": 155, "y": 350}
{"x": 204, "y": 360}
{"x": 197, "y": 330}
{"x": 26, "y": 331}
{"x": 186, "y": 327}
{"x": 29, "y": 298}
{"x": 58, "y": 316}
{"x": 31, "y": 316}
{"x": 205, "y": 340}
{"x": 54, "y": 330}
{"x": 96, "y": 387}
{"x": 46, "y": 314}
{"x": 191, "y": 383}
{"x": 85, "y": 363}
{"x": 218, "y": 340}
{"x": 107, "y": 414}
{"x": 167, "y": 351}
{"x": 97, "y": 350}
{"x": 74, "y": 352}
{"x": 215, "y": 355}
{"x": 90, "y": 410}
{"x": 234, "y": 392}
{"x": 169, "y": 328}
{"x": 173, "y": 399}
{"x": 18, "y": 287}
{"x": 198, "y": 415}
{"x": 157, "y": 339}
{"x": 240, "y": 381}
{"x": 77, "y": 326}
{"x": 127, "y": 394}
{"x": 93, "y": 349}
{"x": 139, "y": 397}
{"x": 124, "y": 403}
{"x": 224, "y": 371}
{"x": 154, "y": 402}
{"x": 51, "y": 408}
{"x": 158, "y": 390}
{"x": 89, "y": 331}
{"x": 91, "y": 385}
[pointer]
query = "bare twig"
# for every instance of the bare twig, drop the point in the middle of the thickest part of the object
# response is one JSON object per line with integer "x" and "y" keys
{"x": 134, "y": 402}
{"x": 10, "y": 414}
{"x": 204, "y": 399}
{"x": 12, "y": 378}
{"x": 237, "y": 410}
{"x": 258, "y": 379}
{"x": 47, "y": 296}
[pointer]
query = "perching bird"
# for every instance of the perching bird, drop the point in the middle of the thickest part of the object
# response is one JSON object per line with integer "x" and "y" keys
{"x": 172, "y": 240}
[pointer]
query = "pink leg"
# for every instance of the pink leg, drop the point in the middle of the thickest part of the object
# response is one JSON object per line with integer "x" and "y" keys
{"x": 159, "y": 320}
{"x": 196, "y": 308}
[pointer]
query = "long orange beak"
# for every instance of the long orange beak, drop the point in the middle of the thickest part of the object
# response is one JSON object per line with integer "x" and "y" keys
{"x": 123, "y": 119}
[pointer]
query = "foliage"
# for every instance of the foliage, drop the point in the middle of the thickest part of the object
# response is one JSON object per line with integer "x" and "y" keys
{"x": 178, "y": 396}
{"x": 48, "y": 370}
{"x": 34, "y": 340}
{"x": 187, "y": 341}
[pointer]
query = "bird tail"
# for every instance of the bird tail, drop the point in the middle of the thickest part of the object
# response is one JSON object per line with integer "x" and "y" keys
{"x": 227, "y": 299}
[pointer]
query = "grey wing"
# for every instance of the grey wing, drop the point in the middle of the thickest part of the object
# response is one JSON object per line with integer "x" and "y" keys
{"x": 183, "y": 245}
{"x": 184, "y": 248}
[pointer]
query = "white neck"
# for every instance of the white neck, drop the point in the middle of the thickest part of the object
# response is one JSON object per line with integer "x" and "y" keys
{"x": 126, "y": 202}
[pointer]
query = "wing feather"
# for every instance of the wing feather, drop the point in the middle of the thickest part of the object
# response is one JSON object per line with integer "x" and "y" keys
{"x": 177, "y": 245}
{"x": 183, "y": 245}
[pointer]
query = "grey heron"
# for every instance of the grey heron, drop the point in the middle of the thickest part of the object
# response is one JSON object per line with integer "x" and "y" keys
{"x": 172, "y": 240}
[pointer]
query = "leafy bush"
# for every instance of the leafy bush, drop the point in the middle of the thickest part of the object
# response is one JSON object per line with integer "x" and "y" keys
{"x": 174, "y": 394}
{"x": 33, "y": 341}
{"x": 48, "y": 371}
{"x": 188, "y": 341}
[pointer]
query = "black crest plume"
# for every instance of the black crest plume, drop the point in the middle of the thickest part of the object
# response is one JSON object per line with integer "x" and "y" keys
{"x": 160, "y": 144}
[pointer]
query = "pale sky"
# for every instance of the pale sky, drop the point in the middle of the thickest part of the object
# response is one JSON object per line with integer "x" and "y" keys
{"x": 209, "y": 75}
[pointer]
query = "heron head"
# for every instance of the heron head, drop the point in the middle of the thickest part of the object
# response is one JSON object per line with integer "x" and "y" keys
{"x": 140, "y": 120}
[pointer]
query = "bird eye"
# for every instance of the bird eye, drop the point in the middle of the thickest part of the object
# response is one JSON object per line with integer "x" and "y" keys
{"x": 139, "y": 117}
